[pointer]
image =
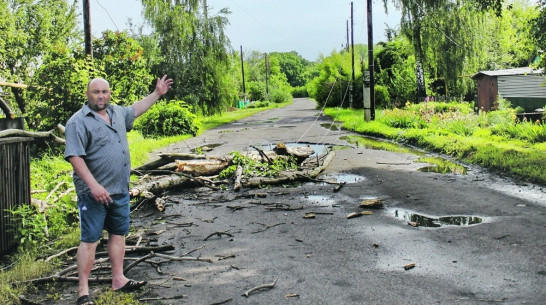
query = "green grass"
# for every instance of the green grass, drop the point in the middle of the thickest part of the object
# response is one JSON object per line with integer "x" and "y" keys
{"x": 51, "y": 179}
{"x": 493, "y": 140}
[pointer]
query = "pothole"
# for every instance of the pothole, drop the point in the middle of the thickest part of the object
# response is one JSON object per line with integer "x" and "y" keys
{"x": 430, "y": 221}
{"x": 319, "y": 149}
{"x": 441, "y": 166}
{"x": 343, "y": 178}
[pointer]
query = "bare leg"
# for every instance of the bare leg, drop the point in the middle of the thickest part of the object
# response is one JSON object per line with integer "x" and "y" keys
{"x": 116, "y": 252}
{"x": 85, "y": 259}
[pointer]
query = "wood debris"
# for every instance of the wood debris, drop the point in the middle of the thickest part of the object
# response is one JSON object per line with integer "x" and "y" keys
{"x": 358, "y": 214}
{"x": 264, "y": 286}
{"x": 372, "y": 203}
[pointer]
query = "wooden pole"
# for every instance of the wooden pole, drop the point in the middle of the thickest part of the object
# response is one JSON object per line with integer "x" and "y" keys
{"x": 87, "y": 29}
{"x": 371, "y": 61}
{"x": 352, "y": 60}
{"x": 243, "y": 73}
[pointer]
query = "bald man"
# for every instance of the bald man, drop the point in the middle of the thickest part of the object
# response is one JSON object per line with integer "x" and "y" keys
{"x": 97, "y": 148}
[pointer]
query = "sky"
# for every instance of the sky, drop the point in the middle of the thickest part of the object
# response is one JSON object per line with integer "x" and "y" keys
{"x": 309, "y": 27}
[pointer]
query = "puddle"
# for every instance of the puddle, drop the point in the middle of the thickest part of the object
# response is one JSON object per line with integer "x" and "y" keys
{"x": 441, "y": 166}
{"x": 205, "y": 148}
{"x": 331, "y": 126}
{"x": 321, "y": 200}
{"x": 320, "y": 149}
{"x": 436, "y": 221}
{"x": 343, "y": 178}
{"x": 372, "y": 143}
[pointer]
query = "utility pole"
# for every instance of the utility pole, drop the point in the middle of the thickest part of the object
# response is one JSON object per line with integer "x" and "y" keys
{"x": 352, "y": 61}
{"x": 243, "y": 73}
{"x": 266, "y": 62}
{"x": 87, "y": 29}
{"x": 369, "y": 101}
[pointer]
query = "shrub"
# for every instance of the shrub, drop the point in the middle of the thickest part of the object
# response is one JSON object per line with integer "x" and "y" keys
{"x": 278, "y": 96}
{"x": 256, "y": 91}
{"x": 300, "y": 92}
{"x": 168, "y": 119}
{"x": 381, "y": 95}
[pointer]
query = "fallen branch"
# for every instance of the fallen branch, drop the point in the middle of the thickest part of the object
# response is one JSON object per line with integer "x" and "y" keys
{"x": 264, "y": 286}
{"x": 238, "y": 175}
{"x": 267, "y": 227}
{"x": 31, "y": 134}
{"x": 218, "y": 234}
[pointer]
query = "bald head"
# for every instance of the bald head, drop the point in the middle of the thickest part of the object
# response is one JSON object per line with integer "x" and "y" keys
{"x": 98, "y": 94}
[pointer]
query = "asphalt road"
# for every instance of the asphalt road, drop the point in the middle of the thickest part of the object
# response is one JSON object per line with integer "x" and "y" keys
{"x": 331, "y": 259}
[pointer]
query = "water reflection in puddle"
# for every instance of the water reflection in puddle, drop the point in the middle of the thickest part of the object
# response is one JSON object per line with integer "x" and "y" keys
{"x": 319, "y": 149}
{"x": 321, "y": 200}
{"x": 331, "y": 126}
{"x": 435, "y": 221}
{"x": 441, "y": 166}
{"x": 343, "y": 178}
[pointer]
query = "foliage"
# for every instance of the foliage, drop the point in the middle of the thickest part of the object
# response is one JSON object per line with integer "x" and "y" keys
{"x": 256, "y": 91}
{"x": 12, "y": 281}
{"x": 258, "y": 168}
{"x": 331, "y": 86}
{"x": 539, "y": 32}
{"x": 125, "y": 66}
{"x": 61, "y": 83}
{"x": 494, "y": 139}
{"x": 394, "y": 69}
{"x": 195, "y": 51}
{"x": 30, "y": 31}
{"x": 293, "y": 66}
{"x": 279, "y": 96}
{"x": 168, "y": 119}
{"x": 300, "y": 92}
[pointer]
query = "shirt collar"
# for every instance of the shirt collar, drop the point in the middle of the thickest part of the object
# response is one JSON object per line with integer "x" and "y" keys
{"x": 86, "y": 110}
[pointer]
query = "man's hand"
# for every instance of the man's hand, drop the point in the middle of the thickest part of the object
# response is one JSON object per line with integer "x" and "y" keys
{"x": 100, "y": 194}
{"x": 163, "y": 85}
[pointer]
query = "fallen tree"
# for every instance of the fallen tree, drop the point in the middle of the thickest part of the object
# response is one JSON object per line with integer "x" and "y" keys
{"x": 286, "y": 165}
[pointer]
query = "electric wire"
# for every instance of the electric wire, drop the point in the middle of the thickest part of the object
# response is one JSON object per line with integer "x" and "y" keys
{"x": 108, "y": 13}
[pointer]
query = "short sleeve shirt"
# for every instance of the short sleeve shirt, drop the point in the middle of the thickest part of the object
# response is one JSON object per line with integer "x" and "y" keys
{"x": 103, "y": 147}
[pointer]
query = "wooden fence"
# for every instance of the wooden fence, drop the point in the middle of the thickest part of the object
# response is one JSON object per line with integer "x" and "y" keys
{"x": 14, "y": 184}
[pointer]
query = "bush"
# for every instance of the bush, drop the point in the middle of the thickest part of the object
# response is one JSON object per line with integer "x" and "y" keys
{"x": 278, "y": 96}
{"x": 381, "y": 95}
{"x": 256, "y": 91}
{"x": 168, "y": 119}
{"x": 300, "y": 92}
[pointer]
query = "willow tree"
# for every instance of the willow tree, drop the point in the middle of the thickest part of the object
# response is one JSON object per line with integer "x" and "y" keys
{"x": 426, "y": 21}
{"x": 195, "y": 51}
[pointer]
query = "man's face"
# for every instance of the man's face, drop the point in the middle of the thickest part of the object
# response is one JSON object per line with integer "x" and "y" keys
{"x": 98, "y": 95}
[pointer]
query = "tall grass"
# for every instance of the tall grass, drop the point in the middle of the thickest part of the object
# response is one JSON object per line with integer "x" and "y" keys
{"x": 494, "y": 140}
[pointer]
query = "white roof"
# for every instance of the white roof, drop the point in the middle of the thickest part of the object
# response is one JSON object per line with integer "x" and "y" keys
{"x": 514, "y": 71}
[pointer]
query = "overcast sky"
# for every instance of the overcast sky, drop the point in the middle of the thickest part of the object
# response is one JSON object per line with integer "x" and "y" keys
{"x": 309, "y": 27}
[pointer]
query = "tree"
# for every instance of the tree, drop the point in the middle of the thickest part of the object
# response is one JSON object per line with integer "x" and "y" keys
{"x": 293, "y": 66}
{"x": 539, "y": 32}
{"x": 196, "y": 51}
{"x": 125, "y": 66}
{"x": 30, "y": 30}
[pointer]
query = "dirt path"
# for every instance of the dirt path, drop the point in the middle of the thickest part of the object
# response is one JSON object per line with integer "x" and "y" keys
{"x": 334, "y": 260}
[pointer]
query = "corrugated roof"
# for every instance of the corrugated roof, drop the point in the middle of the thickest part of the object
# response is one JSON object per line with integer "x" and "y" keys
{"x": 507, "y": 72}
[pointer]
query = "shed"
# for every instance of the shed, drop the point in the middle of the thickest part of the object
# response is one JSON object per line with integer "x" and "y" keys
{"x": 524, "y": 87}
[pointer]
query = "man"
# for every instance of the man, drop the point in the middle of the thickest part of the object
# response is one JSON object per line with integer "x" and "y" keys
{"x": 97, "y": 148}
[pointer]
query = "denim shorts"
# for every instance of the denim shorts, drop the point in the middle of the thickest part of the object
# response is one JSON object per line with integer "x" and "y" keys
{"x": 95, "y": 217}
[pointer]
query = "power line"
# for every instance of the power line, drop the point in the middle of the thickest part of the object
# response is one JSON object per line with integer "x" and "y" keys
{"x": 107, "y": 13}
